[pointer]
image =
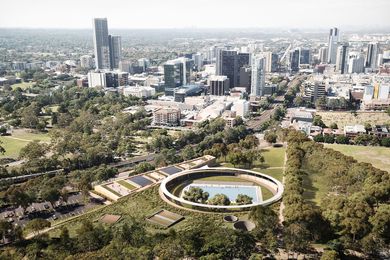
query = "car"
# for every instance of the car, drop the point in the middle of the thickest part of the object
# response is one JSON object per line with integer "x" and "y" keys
{"x": 21, "y": 217}
{"x": 54, "y": 217}
{"x": 46, "y": 206}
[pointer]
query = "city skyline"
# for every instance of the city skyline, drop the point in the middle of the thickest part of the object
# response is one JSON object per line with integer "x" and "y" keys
{"x": 174, "y": 14}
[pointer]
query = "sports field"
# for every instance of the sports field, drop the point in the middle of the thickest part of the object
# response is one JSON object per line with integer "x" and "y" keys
{"x": 379, "y": 157}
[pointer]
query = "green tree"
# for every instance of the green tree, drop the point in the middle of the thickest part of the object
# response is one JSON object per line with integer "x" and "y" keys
{"x": 143, "y": 167}
{"x": 296, "y": 237}
{"x": 188, "y": 153}
{"x": 317, "y": 121}
{"x": 319, "y": 138}
{"x": 5, "y": 227}
{"x": 342, "y": 139}
{"x": 270, "y": 137}
{"x": 33, "y": 151}
{"x": 385, "y": 141}
{"x": 219, "y": 199}
{"x": 196, "y": 194}
{"x": 330, "y": 255}
{"x": 243, "y": 199}
{"x": 334, "y": 126}
{"x": 37, "y": 224}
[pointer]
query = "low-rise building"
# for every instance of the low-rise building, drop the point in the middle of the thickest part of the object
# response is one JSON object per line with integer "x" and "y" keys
{"x": 354, "y": 130}
{"x": 139, "y": 91}
{"x": 166, "y": 116}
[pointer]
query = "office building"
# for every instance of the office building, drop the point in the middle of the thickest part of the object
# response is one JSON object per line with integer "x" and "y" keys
{"x": 304, "y": 56}
{"x": 294, "y": 60}
{"x": 258, "y": 76}
{"x": 314, "y": 91}
{"x": 144, "y": 63}
{"x": 107, "y": 79}
{"x": 323, "y": 55}
{"x": 372, "y": 55}
{"x": 101, "y": 43}
{"x": 218, "y": 85}
{"x": 229, "y": 62}
{"x": 115, "y": 45}
{"x": 177, "y": 73}
{"x": 342, "y": 59}
{"x": 86, "y": 61}
{"x": 198, "y": 60}
{"x": 245, "y": 78}
{"x": 139, "y": 91}
{"x": 356, "y": 65}
{"x": 334, "y": 38}
{"x": 271, "y": 61}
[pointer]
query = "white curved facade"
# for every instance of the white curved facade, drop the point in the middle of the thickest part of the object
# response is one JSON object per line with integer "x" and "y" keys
{"x": 271, "y": 183}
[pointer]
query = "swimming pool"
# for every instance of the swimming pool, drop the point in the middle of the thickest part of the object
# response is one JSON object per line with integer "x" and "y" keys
{"x": 231, "y": 191}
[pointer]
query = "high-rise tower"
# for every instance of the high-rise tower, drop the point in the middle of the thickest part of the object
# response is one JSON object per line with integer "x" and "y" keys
{"x": 101, "y": 43}
{"x": 334, "y": 38}
{"x": 258, "y": 76}
{"x": 115, "y": 45}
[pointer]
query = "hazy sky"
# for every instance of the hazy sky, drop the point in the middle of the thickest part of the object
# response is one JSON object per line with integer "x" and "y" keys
{"x": 195, "y": 13}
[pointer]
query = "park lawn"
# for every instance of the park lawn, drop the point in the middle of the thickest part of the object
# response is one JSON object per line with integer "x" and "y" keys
{"x": 378, "y": 156}
{"x": 277, "y": 173}
{"x": 126, "y": 185}
{"x": 19, "y": 139}
{"x": 315, "y": 186}
{"x": 138, "y": 206}
{"x": 23, "y": 85}
{"x": 25, "y": 134}
{"x": 12, "y": 147}
{"x": 273, "y": 157}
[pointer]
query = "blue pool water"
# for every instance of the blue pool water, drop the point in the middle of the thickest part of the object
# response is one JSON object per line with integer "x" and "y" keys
{"x": 231, "y": 191}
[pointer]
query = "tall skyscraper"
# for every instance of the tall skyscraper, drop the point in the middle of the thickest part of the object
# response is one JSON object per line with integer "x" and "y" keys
{"x": 115, "y": 46}
{"x": 342, "y": 58}
{"x": 101, "y": 43}
{"x": 356, "y": 65}
{"x": 323, "y": 55}
{"x": 334, "y": 38}
{"x": 372, "y": 55}
{"x": 304, "y": 56}
{"x": 229, "y": 62}
{"x": 258, "y": 76}
{"x": 271, "y": 61}
{"x": 294, "y": 60}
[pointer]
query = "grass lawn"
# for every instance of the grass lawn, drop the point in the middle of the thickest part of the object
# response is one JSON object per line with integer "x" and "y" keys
{"x": 12, "y": 146}
{"x": 266, "y": 193}
{"x": 315, "y": 186}
{"x": 276, "y": 173}
{"x": 223, "y": 179}
{"x": 273, "y": 157}
{"x": 379, "y": 157}
{"x": 19, "y": 139}
{"x": 126, "y": 184}
{"x": 138, "y": 206}
{"x": 23, "y": 85}
{"x": 347, "y": 118}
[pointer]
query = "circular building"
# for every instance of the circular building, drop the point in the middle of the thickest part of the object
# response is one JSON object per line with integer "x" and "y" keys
{"x": 212, "y": 181}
